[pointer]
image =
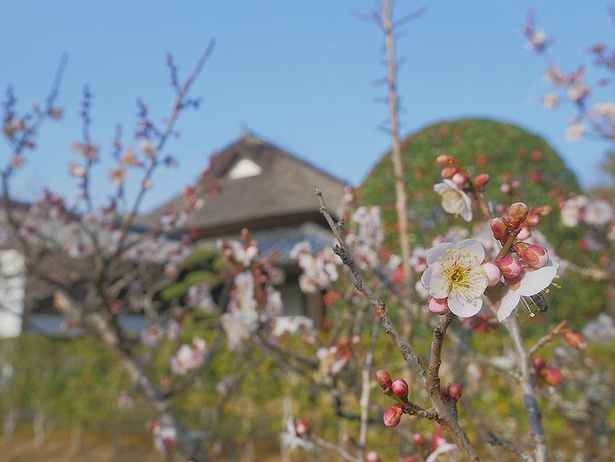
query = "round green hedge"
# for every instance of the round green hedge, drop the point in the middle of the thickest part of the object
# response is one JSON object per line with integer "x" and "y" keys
{"x": 503, "y": 150}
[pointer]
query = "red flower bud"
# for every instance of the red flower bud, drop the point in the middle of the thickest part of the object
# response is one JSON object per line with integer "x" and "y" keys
{"x": 400, "y": 388}
{"x": 384, "y": 380}
{"x": 460, "y": 179}
{"x": 444, "y": 160}
{"x": 499, "y": 227}
{"x": 418, "y": 439}
{"x": 481, "y": 180}
{"x": 517, "y": 214}
{"x": 538, "y": 363}
{"x": 302, "y": 427}
{"x": 392, "y": 416}
{"x": 509, "y": 266}
{"x": 438, "y": 305}
{"x": 454, "y": 391}
{"x": 535, "y": 256}
{"x": 574, "y": 339}
{"x": 552, "y": 376}
{"x": 448, "y": 172}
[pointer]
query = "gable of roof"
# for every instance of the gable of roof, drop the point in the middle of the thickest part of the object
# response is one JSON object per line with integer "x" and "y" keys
{"x": 279, "y": 191}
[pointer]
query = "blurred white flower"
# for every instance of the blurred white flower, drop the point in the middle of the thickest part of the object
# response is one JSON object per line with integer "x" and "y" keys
{"x": 454, "y": 200}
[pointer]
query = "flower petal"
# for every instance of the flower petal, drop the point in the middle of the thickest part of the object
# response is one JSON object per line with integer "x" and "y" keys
{"x": 476, "y": 251}
{"x": 464, "y": 307}
{"x": 508, "y": 303}
{"x": 438, "y": 284}
{"x": 437, "y": 252}
{"x": 535, "y": 281}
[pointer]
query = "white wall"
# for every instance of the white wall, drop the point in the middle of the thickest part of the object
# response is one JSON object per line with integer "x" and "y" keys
{"x": 12, "y": 291}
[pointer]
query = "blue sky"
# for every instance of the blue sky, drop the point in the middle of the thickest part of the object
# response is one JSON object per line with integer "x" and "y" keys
{"x": 298, "y": 73}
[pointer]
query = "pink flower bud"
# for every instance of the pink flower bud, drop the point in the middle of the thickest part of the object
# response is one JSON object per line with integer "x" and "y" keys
{"x": 444, "y": 160}
{"x": 574, "y": 339}
{"x": 409, "y": 458}
{"x": 492, "y": 272}
{"x": 535, "y": 256}
{"x": 481, "y": 180}
{"x": 400, "y": 388}
{"x": 392, "y": 416}
{"x": 509, "y": 266}
{"x": 437, "y": 440}
{"x": 552, "y": 376}
{"x": 419, "y": 439}
{"x": 448, "y": 172}
{"x": 454, "y": 391}
{"x": 460, "y": 179}
{"x": 538, "y": 363}
{"x": 302, "y": 427}
{"x": 384, "y": 380}
{"x": 372, "y": 456}
{"x": 544, "y": 210}
{"x": 499, "y": 227}
{"x": 437, "y": 305}
{"x": 517, "y": 214}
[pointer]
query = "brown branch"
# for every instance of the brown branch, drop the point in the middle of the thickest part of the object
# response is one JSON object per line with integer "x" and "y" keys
{"x": 444, "y": 414}
{"x": 496, "y": 441}
{"x": 546, "y": 338}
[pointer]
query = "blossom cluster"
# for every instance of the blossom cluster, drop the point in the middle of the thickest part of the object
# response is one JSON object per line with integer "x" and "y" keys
{"x": 457, "y": 275}
{"x": 580, "y": 209}
{"x": 596, "y": 119}
{"x": 318, "y": 271}
{"x": 189, "y": 357}
{"x": 458, "y": 188}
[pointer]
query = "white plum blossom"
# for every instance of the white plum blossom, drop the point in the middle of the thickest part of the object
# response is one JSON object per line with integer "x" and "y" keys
{"x": 454, "y": 200}
{"x": 519, "y": 290}
{"x": 164, "y": 436}
{"x": 575, "y": 132}
{"x": 570, "y": 211}
{"x": 454, "y": 273}
{"x": 604, "y": 109}
{"x": 189, "y": 357}
{"x": 365, "y": 255}
{"x": 241, "y": 319}
{"x": 318, "y": 271}
{"x": 243, "y": 254}
{"x": 536, "y": 40}
{"x": 152, "y": 335}
{"x": 577, "y": 91}
{"x": 283, "y": 325}
{"x": 274, "y": 305}
{"x": 199, "y": 296}
{"x": 148, "y": 148}
{"x": 551, "y": 100}
{"x": 599, "y": 213}
{"x": 370, "y": 226}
